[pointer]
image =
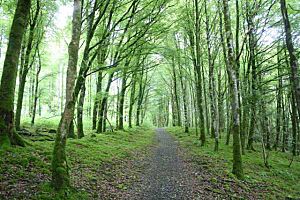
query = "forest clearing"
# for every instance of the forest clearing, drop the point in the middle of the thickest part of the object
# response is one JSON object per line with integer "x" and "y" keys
{"x": 149, "y": 99}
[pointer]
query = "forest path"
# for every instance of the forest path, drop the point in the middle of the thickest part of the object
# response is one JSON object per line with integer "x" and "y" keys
{"x": 165, "y": 176}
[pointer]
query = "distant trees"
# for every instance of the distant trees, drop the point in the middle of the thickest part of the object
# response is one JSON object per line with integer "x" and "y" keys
{"x": 239, "y": 77}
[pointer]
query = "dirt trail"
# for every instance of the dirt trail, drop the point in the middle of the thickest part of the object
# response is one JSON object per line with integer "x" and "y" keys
{"x": 165, "y": 176}
{"x": 170, "y": 173}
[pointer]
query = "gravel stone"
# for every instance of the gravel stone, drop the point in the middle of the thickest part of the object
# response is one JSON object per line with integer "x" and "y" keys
{"x": 166, "y": 176}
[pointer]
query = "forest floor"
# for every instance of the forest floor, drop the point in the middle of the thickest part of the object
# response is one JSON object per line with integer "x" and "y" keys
{"x": 214, "y": 169}
{"x": 141, "y": 164}
{"x": 100, "y": 165}
{"x": 170, "y": 172}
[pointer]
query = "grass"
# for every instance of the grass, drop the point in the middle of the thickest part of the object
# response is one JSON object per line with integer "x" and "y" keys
{"x": 26, "y": 172}
{"x": 283, "y": 180}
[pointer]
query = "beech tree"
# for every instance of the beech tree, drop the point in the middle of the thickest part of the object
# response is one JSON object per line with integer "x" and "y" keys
{"x": 8, "y": 81}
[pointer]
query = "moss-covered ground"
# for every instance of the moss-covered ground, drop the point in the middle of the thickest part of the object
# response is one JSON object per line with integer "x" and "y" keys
{"x": 279, "y": 181}
{"x": 96, "y": 163}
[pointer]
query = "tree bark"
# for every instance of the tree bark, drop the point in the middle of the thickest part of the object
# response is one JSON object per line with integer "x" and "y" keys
{"x": 233, "y": 84}
{"x": 97, "y": 100}
{"x": 60, "y": 170}
{"x": 212, "y": 85}
{"x": 294, "y": 74}
{"x": 132, "y": 100}
{"x": 36, "y": 89}
{"x": 80, "y": 133}
{"x": 197, "y": 67}
{"x": 121, "y": 102}
{"x": 8, "y": 133}
{"x": 102, "y": 107}
{"x": 252, "y": 62}
{"x": 279, "y": 108}
{"x": 26, "y": 66}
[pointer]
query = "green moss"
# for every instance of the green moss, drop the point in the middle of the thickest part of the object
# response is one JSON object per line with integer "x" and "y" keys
{"x": 280, "y": 178}
{"x": 90, "y": 153}
{"x": 4, "y": 142}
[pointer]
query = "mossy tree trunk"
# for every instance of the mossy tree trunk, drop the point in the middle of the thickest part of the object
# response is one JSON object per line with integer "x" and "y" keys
{"x": 175, "y": 92}
{"x": 233, "y": 85}
{"x": 252, "y": 63}
{"x": 36, "y": 88}
{"x": 294, "y": 72}
{"x": 8, "y": 133}
{"x": 140, "y": 97}
{"x": 27, "y": 65}
{"x": 60, "y": 171}
{"x": 80, "y": 133}
{"x": 212, "y": 83}
{"x": 122, "y": 98}
{"x": 195, "y": 41}
{"x": 97, "y": 99}
{"x": 132, "y": 99}
{"x": 102, "y": 107}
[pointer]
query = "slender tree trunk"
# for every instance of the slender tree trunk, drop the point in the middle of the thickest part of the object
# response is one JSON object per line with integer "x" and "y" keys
{"x": 212, "y": 85}
{"x": 177, "y": 104}
{"x": 252, "y": 62}
{"x": 132, "y": 100}
{"x": 233, "y": 84}
{"x": 279, "y": 103}
{"x": 80, "y": 132}
{"x": 8, "y": 133}
{"x": 294, "y": 65}
{"x": 284, "y": 126}
{"x": 36, "y": 88}
{"x": 140, "y": 98}
{"x": 182, "y": 80}
{"x": 121, "y": 102}
{"x": 97, "y": 101}
{"x": 60, "y": 170}
{"x": 102, "y": 107}
{"x": 27, "y": 65}
{"x": 294, "y": 74}
{"x": 198, "y": 71}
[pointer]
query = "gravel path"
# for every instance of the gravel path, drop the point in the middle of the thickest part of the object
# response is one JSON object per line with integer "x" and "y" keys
{"x": 165, "y": 176}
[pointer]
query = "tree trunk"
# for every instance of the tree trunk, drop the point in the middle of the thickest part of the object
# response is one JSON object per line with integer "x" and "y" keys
{"x": 26, "y": 66}
{"x": 182, "y": 80}
{"x": 132, "y": 100}
{"x": 36, "y": 89}
{"x": 102, "y": 107}
{"x": 80, "y": 132}
{"x": 212, "y": 85}
{"x": 8, "y": 133}
{"x": 197, "y": 67}
{"x": 294, "y": 74}
{"x": 176, "y": 98}
{"x": 60, "y": 170}
{"x": 252, "y": 62}
{"x": 140, "y": 99}
{"x": 294, "y": 65}
{"x": 121, "y": 102}
{"x": 279, "y": 103}
{"x": 233, "y": 84}
{"x": 97, "y": 100}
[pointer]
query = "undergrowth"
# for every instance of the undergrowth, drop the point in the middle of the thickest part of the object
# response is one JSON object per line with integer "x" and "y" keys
{"x": 25, "y": 173}
{"x": 282, "y": 179}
